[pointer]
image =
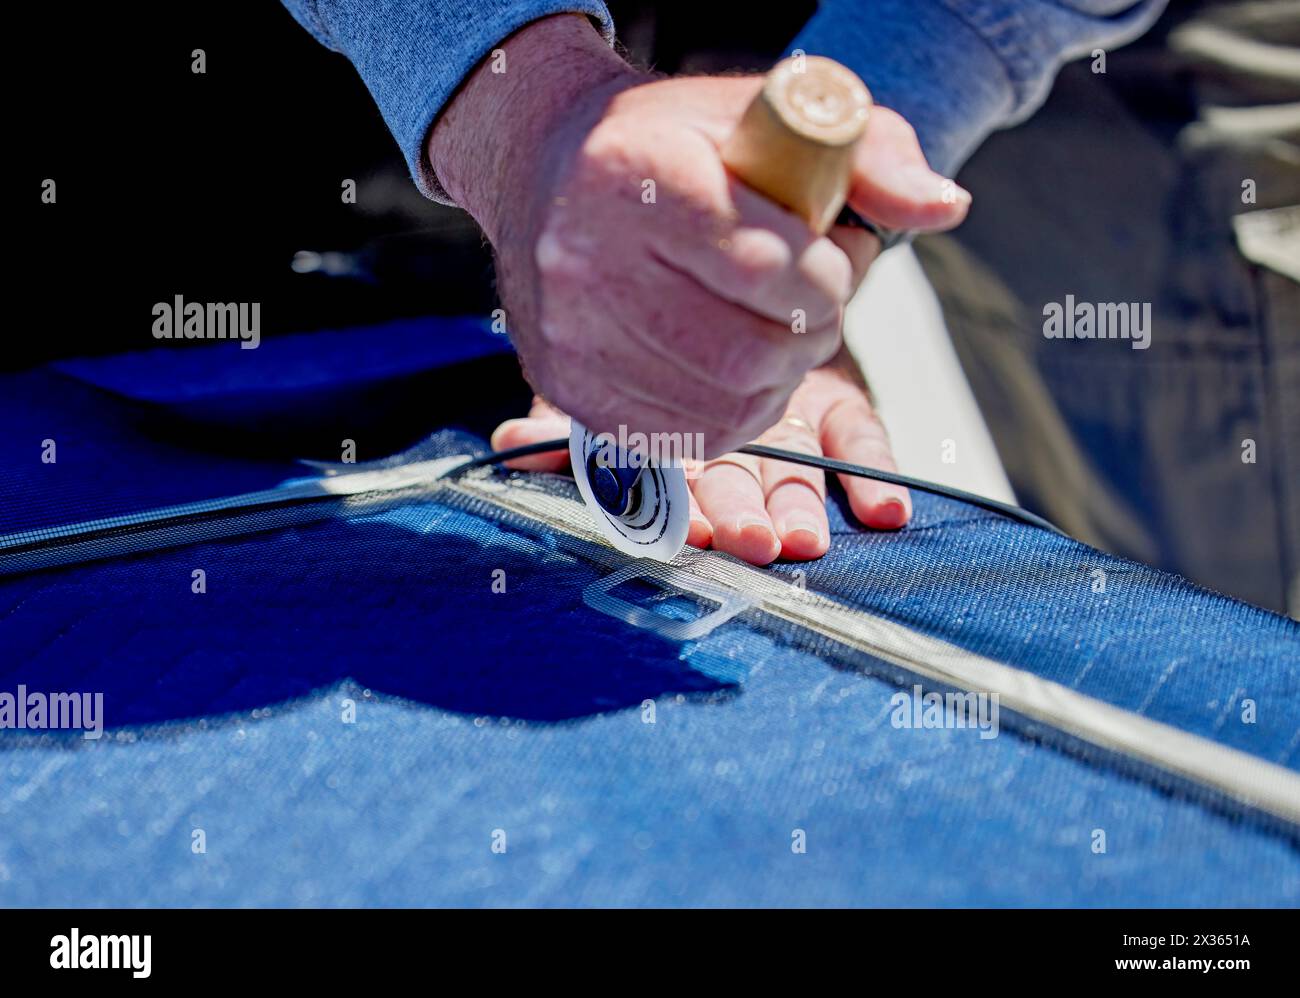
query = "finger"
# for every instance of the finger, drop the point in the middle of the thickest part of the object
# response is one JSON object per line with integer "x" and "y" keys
{"x": 543, "y": 422}
{"x": 749, "y": 250}
{"x": 894, "y": 185}
{"x": 730, "y": 495}
{"x": 674, "y": 358}
{"x": 796, "y": 495}
{"x": 700, "y": 534}
{"x": 851, "y": 431}
{"x": 859, "y": 245}
{"x": 716, "y": 342}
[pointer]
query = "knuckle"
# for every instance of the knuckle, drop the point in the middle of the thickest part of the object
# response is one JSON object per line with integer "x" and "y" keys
{"x": 829, "y": 271}
{"x": 873, "y": 445}
{"x": 558, "y": 263}
{"x": 789, "y": 436}
{"x": 848, "y": 412}
{"x": 755, "y": 257}
{"x": 605, "y": 152}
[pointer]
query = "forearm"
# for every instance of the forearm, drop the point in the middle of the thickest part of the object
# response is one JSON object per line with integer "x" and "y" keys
{"x": 486, "y": 146}
{"x": 958, "y": 69}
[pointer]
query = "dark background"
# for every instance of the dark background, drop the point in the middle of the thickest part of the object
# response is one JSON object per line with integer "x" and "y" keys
{"x": 207, "y": 185}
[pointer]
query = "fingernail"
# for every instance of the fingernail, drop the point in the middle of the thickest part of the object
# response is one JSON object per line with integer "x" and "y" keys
{"x": 891, "y": 514}
{"x": 757, "y": 538}
{"x": 950, "y": 190}
{"x": 924, "y": 184}
{"x": 804, "y": 527}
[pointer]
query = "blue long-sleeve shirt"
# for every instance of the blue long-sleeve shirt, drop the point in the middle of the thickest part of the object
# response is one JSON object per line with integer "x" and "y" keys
{"x": 956, "y": 69}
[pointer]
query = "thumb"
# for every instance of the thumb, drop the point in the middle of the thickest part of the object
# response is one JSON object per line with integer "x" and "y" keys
{"x": 893, "y": 184}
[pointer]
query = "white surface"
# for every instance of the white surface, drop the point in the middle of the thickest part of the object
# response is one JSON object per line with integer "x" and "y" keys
{"x": 895, "y": 328}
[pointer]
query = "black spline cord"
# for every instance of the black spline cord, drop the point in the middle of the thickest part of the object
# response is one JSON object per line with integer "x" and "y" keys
{"x": 811, "y": 461}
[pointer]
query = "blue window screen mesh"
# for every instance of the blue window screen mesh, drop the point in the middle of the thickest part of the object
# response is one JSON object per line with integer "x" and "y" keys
{"x": 618, "y": 767}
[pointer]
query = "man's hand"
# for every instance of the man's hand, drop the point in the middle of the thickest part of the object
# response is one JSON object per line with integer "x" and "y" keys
{"x": 645, "y": 287}
{"x": 759, "y": 509}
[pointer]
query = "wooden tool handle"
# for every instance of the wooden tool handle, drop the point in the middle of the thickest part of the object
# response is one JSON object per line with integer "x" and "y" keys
{"x": 795, "y": 142}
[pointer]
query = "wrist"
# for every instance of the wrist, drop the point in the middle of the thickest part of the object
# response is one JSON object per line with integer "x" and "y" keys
{"x": 488, "y": 145}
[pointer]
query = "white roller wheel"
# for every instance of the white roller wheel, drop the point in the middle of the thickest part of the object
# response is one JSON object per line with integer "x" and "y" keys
{"x": 659, "y": 519}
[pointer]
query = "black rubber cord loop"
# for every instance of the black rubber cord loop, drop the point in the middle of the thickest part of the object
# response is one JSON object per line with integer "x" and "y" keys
{"x": 811, "y": 461}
